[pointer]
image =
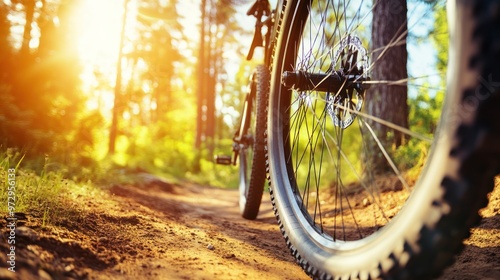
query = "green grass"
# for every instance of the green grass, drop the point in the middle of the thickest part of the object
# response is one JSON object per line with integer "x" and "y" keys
{"x": 45, "y": 194}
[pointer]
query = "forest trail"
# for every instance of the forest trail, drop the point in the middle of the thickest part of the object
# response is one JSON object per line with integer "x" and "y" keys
{"x": 159, "y": 230}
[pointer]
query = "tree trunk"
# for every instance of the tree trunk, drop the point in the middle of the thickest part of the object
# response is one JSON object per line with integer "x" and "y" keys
{"x": 200, "y": 106}
{"x": 29, "y": 7}
{"x": 389, "y": 56}
{"x": 213, "y": 61}
{"x": 113, "y": 131}
{"x": 201, "y": 77}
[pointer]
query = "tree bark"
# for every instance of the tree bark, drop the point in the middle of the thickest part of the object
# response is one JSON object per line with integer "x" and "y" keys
{"x": 389, "y": 57}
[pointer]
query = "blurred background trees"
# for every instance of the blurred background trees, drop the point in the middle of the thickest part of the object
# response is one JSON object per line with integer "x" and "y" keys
{"x": 59, "y": 82}
{"x": 39, "y": 83}
{"x": 183, "y": 75}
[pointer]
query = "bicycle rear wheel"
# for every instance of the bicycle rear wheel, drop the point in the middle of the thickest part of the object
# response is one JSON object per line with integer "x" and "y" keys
{"x": 358, "y": 193}
{"x": 253, "y": 176}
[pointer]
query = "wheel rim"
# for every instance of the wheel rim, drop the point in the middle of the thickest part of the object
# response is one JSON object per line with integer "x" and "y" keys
{"x": 243, "y": 187}
{"x": 246, "y": 150}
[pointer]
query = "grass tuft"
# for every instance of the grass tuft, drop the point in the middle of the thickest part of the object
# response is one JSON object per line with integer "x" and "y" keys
{"x": 43, "y": 195}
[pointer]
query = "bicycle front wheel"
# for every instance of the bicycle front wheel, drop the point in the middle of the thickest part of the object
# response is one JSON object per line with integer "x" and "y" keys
{"x": 375, "y": 172}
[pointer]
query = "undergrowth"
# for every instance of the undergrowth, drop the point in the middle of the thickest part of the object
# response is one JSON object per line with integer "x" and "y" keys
{"x": 44, "y": 194}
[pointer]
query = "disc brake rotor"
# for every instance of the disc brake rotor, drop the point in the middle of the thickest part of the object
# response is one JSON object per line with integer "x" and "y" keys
{"x": 350, "y": 60}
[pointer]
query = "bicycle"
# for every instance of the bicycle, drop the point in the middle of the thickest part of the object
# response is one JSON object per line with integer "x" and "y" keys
{"x": 340, "y": 213}
{"x": 248, "y": 150}
{"x": 249, "y": 145}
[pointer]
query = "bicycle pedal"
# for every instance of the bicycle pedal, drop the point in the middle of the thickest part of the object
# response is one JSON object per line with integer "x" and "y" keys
{"x": 223, "y": 160}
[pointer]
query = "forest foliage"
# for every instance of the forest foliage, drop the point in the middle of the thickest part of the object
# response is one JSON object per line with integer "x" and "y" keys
{"x": 54, "y": 106}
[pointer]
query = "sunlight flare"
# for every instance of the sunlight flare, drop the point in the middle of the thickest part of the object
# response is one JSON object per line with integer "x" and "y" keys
{"x": 99, "y": 31}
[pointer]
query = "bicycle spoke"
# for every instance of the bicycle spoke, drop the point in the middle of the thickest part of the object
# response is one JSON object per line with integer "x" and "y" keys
{"x": 332, "y": 179}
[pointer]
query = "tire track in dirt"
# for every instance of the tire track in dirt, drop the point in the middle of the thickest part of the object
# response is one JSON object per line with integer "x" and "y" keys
{"x": 160, "y": 230}
{"x": 207, "y": 238}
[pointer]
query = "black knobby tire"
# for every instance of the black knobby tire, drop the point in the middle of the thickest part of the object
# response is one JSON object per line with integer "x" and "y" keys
{"x": 419, "y": 240}
{"x": 253, "y": 177}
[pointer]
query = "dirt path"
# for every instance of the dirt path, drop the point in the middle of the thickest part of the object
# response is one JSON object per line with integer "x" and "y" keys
{"x": 163, "y": 231}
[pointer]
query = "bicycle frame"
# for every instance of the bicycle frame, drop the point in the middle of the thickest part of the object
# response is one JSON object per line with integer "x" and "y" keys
{"x": 265, "y": 17}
